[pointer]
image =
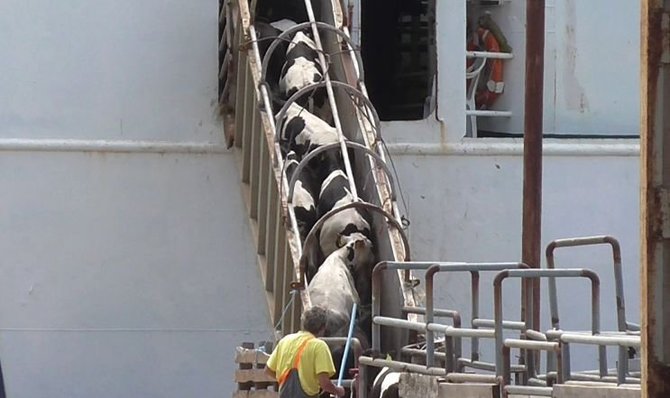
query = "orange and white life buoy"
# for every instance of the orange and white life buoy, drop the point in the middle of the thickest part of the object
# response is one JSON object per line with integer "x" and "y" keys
{"x": 493, "y": 73}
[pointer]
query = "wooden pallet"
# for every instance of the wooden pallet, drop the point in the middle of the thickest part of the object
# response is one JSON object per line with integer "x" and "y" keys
{"x": 251, "y": 379}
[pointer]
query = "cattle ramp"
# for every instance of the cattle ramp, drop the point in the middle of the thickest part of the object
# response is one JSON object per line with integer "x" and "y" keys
{"x": 251, "y": 130}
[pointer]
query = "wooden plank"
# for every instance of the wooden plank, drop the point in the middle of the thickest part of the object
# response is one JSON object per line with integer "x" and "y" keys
{"x": 252, "y": 375}
{"x": 252, "y": 356}
{"x": 256, "y": 394}
{"x": 245, "y": 385}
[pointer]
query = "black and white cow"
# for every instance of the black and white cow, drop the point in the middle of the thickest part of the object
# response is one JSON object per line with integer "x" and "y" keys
{"x": 333, "y": 286}
{"x": 302, "y": 132}
{"x": 361, "y": 271}
{"x": 386, "y": 384}
{"x": 303, "y": 195}
{"x": 333, "y": 194}
{"x": 301, "y": 69}
{"x": 265, "y": 35}
{"x": 302, "y": 65}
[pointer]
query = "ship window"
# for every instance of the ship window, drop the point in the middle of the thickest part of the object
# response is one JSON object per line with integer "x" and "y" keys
{"x": 399, "y": 55}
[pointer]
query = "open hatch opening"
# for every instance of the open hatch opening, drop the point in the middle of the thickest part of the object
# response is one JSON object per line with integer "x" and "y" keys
{"x": 398, "y": 50}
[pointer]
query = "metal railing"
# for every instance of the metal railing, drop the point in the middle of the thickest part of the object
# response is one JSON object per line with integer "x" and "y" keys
{"x": 624, "y": 327}
{"x": 474, "y": 269}
{"x": 503, "y": 354}
{"x": 528, "y": 380}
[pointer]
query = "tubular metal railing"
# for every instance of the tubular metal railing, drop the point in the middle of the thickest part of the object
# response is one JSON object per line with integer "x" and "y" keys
{"x": 624, "y": 327}
{"x": 474, "y": 269}
{"x": 528, "y": 380}
{"x": 503, "y": 355}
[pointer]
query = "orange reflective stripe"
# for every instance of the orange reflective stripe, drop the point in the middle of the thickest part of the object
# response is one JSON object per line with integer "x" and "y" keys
{"x": 283, "y": 377}
{"x": 296, "y": 363}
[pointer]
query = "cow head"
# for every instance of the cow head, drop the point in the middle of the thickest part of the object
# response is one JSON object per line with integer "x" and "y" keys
{"x": 359, "y": 249}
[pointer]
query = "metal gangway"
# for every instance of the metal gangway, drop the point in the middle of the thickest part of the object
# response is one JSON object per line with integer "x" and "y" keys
{"x": 246, "y": 99}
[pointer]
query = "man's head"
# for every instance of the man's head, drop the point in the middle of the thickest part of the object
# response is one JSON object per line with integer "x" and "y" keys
{"x": 314, "y": 320}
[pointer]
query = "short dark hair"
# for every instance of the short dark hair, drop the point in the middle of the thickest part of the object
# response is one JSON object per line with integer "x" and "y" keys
{"x": 314, "y": 319}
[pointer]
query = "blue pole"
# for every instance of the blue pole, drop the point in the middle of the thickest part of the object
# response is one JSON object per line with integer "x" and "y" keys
{"x": 345, "y": 355}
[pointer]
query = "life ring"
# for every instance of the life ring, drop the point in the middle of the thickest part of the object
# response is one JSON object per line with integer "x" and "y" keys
{"x": 494, "y": 85}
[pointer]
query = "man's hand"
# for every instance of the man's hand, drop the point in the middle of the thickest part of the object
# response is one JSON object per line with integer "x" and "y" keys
{"x": 339, "y": 391}
{"x": 328, "y": 386}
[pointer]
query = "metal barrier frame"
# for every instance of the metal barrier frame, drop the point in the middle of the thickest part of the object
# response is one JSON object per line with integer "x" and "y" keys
{"x": 502, "y": 371}
{"x": 622, "y": 341}
{"x": 376, "y": 290}
{"x": 623, "y": 325}
{"x": 474, "y": 269}
{"x": 455, "y": 317}
{"x": 618, "y": 276}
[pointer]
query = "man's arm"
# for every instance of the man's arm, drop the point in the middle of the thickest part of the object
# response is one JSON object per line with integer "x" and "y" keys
{"x": 270, "y": 372}
{"x": 328, "y": 386}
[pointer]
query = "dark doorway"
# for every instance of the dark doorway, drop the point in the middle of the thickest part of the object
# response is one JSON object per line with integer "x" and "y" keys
{"x": 398, "y": 49}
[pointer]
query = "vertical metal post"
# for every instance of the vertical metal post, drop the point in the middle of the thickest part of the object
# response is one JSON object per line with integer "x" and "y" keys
{"x": 430, "y": 304}
{"x": 532, "y": 154}
{"x": 474, "y": 289}
{"x": 655, "y": 198}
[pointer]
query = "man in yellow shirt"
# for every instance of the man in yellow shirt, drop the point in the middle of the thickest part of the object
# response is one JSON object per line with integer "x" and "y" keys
{"x": 302, "y": 363}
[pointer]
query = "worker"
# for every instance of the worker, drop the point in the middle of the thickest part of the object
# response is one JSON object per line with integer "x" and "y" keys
{"x": 301, "y": 363}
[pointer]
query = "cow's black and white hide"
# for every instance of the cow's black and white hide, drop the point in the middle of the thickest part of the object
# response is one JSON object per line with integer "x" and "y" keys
{"x": 301, "y": 69}
{"x": 333, "y": 287}
{"x": 266, "y": 34}
{"x": 335, "y": 193}
{"x": 304, "y": 203}
{"x": 386, "y": 384}
{"x": 302, "y": 132}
